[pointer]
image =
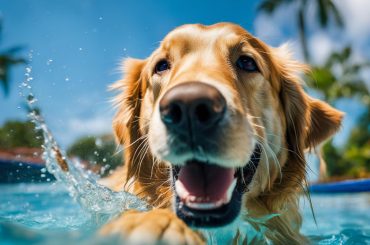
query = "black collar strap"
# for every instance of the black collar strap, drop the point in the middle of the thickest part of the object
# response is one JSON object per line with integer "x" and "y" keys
{"x": 250, "y": 169}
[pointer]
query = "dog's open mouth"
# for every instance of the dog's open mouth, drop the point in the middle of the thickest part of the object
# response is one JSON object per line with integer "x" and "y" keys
{"x": 208, "y": 195}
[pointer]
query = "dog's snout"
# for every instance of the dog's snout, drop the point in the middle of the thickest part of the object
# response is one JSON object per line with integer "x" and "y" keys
{"x": 192, "y": 106}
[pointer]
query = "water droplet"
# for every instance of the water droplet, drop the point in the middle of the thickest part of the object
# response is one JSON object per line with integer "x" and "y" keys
{"x": 100, "y": 18}
{"x": 66, "y": 79}
{"x": 43, "y": 170}
{"x": 49, "y": 61}
{"x": 80, "y": 49}
{"x": 98, "y": 142}
{"x": 31, "y": 99}
{"x": 42, "y": 175}
{"x": 104, "y": 159}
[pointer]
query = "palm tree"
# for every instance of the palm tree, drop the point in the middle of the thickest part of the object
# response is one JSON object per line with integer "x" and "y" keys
{"x": 8, "y": 59}
{"x": 324, "y": 8}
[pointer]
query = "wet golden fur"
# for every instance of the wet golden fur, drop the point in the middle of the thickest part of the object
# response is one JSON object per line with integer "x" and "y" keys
{"x": 283, "y": 119}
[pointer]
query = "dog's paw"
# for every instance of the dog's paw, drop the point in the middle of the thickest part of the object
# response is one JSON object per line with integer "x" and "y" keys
{"x": 159, "y": 226}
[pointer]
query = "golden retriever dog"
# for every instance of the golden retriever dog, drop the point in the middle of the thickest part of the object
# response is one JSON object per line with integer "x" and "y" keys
{"x": 214, "y": 125}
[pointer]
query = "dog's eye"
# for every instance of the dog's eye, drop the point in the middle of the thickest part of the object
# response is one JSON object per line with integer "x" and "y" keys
{"x": 161, "y": 66}
{"x": 246, "y": 63}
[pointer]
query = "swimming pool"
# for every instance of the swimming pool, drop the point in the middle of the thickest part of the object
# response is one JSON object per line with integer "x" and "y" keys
{"x": 47, "y": 214}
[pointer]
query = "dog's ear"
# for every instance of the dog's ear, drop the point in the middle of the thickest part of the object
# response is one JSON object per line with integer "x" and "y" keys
{"x": 128, "y": 101}
{"x": 324, "y": 121}
{"x": 139, "y": 174}
{"x": 309, "y": 121}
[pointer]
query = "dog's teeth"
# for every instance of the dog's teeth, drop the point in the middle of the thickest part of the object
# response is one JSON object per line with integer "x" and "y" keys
{"x": 230, "y": 191}
{"x": 203, "y": 206}
{"x": 181, "y": 190}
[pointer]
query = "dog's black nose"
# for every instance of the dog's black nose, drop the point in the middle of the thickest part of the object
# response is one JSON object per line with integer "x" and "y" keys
{"x": 192, "y": 106}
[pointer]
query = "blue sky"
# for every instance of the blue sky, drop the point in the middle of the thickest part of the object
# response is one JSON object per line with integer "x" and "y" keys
{"x": 77, "y": 47}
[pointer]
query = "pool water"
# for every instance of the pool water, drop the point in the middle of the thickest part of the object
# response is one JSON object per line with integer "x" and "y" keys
{"x": 341, "y": 218}
{"x": 47, "y": 214}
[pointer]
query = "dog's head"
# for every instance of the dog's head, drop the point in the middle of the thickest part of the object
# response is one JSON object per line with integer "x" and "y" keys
{"x": 227, "y": 113}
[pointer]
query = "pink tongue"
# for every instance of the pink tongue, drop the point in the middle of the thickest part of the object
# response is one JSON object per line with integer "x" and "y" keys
{"x": 206, "y": 181}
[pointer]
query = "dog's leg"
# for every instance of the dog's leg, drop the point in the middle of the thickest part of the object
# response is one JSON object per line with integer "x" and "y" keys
{"x": 158, "y": 226}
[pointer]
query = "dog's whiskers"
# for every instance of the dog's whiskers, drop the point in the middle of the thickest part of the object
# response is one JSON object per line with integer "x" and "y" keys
{"x": 142, "y": 148}
{"x": 138, "y": 139}
{"x": 265, "y": 144}
{"x": 143, "y": 153}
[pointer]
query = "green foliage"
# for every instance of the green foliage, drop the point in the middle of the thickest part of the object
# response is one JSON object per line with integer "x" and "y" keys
{"x": 269, "y": 6}
{"x": 354, "y": 159}
{"x": 325, "y": 10}
{"x": 339, "y": 78}
{"x": 361, "y": 134}
{"x": 8, "y": 59}
{"x": 100, "y": 150}
{"x": 19, "y": 134}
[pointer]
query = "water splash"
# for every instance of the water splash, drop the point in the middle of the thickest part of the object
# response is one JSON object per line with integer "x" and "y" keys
{"x": 101, "y": 202}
